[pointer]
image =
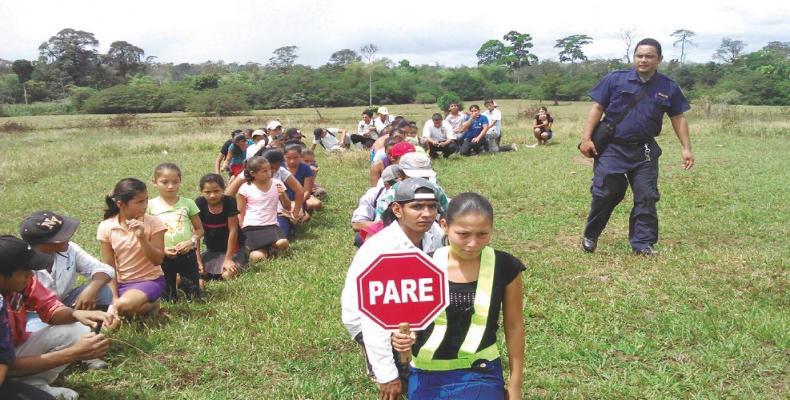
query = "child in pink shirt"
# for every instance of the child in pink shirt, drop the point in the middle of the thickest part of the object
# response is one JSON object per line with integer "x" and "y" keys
{"x": 257, "y": 201}
{"x": 134, "y": 244}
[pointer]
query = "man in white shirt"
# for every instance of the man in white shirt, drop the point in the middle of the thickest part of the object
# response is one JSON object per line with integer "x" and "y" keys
{"x": 331, "y": 139}
{"x": 259, "y": 141}
{"x": 456, "y": 119}
{"x": 51, "y": 233}
{"x": 494, "y": 133}
{"x": 438, "y": 136}
{"x": 366, "y": 131}
{"x": 383, "y": 120}
{"x": 415, "y": 207}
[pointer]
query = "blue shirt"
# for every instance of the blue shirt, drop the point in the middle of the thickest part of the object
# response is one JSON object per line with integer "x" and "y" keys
{"x": 236, "y": 156}
{"x": 302, "y": 172}
{"x": 475, "y": 128}
{"x": 662, "y": 96}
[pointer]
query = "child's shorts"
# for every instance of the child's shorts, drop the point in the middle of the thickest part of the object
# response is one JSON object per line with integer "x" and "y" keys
{"x": 258, "y": 237}
{"x": 153, "y": 289}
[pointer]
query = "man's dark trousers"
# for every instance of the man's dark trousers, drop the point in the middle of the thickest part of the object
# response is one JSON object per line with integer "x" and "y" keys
{"x": 608, "y": 190}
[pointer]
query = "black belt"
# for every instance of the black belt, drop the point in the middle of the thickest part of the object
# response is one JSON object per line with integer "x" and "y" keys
{"x": 631, "y": 144}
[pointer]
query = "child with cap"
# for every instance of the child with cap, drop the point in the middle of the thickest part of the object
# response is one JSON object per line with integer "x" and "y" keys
{"x": 395, "y": 149}
{"x": 363, "y": 218}
{"x": 51, "y": 233}
{"x": 415, "y": 208}
{"x": 67, "y": 339}
{"x": 259, "y": 141}
{"x": 414, "y": 165}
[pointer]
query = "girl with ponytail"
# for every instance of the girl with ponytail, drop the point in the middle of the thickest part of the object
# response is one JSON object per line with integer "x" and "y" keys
{"x": 134, "y": 244}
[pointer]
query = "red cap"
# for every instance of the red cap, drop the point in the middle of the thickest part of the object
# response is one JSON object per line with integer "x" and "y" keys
{"x": 399, "y": 149}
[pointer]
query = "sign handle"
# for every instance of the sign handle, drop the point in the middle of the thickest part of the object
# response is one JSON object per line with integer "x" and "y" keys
{"x": 405, "y": 357}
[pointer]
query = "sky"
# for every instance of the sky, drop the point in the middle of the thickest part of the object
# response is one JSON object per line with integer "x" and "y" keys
{"x": 423, "y": 32}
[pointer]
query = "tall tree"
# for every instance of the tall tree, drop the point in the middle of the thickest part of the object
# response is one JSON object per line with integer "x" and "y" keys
{"x": 343, "y": 58}
{"x": 628, "y": 36}
{"x": 23, "y": 70}
{"x": 491, "y": 52}
{"x": 125, "y": 58}
{"x": 729, "y": 50}
{"x": 73, "y": 57}
{"x": 369, "y": 51}
{"x": 284, "y": 58}
{"x": 571, "y": 47}
{"x": 684, "y": 38}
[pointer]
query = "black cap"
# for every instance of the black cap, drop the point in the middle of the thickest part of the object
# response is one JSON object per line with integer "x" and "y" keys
{"x": 415, "y": 189}
{"x": 16, "y": 254}
{"x": 47, "y": 227}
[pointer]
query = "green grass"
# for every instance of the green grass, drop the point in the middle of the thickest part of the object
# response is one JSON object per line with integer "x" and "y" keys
{"x": 707, "y": 319}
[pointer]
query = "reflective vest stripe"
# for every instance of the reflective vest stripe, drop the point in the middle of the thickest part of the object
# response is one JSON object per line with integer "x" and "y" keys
{"x": 485, "y": 281}
{"x": 467, "y": 354}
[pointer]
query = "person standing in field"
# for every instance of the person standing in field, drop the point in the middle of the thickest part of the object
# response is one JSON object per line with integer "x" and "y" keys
{"x": 638, "y": 98}
{"x": 415, "y": 207}
{"x": 457, "y": 357}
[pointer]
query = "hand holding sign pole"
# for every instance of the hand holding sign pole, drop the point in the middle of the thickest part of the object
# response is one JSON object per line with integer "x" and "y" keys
{"x": 401, "y": 291}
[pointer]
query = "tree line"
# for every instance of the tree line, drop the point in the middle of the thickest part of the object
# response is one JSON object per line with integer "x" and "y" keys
{"x": 124, "y": 79}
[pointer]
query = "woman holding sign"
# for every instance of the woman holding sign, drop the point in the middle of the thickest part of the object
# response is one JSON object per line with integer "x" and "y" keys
{"x": 457, "y": 356}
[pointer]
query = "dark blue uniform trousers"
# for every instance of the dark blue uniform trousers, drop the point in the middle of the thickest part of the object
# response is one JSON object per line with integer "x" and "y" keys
{"x": 608, "y": 189}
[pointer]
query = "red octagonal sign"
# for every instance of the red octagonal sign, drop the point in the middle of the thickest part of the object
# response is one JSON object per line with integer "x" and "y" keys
{"x": 402, "y": 287}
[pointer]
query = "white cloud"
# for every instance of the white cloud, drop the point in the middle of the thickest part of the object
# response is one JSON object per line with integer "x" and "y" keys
{"x": 424, "y": 32}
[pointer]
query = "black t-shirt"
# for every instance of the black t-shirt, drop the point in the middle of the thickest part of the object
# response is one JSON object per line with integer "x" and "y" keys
{"x": 215, "y": 226}
{"x": 225, "y": 146}
{"x": 461, "y": 307}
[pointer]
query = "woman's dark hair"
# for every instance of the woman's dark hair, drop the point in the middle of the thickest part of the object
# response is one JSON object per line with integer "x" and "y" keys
{"x": 124, "y": 191}
{"x": 166, "y": 166}
{"x": 368, "y": 113}
{"x": 468, "y": 202}
{"x": 212, "y": 178}
{"x": 317, "y": 133}
{"x": 274, "y": 156}
{"x": 649, "y": 42}
{"x": 475, "y": 106}
{"x": 253, "y": 165}
{"x": 544, "y": 109}
{"x": 389, "y": 142}
{"x": 297, "y": 147}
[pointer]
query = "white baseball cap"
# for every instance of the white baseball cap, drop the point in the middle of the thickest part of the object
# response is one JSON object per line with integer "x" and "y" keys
{"x": 272, "y": 125}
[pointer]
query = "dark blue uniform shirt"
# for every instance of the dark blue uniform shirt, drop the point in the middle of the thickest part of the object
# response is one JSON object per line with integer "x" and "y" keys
{"x": 662, "y": 95}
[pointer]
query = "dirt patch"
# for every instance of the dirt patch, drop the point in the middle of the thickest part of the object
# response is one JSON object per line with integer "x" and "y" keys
{"x": 15, "y": 127}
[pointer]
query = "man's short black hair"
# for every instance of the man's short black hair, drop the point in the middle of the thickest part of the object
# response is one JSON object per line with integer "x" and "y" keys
{"x": 368, "y": 113}
{"x": 649, "y": 42}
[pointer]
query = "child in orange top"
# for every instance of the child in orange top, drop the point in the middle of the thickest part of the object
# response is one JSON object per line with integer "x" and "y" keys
{"x": 134, "y": 244}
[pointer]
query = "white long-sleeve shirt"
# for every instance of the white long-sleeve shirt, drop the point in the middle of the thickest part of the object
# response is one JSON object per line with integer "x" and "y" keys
{"x": 376, "y": 339}
{"x": 366, "y": 207}
{"x": 67, "y": 265}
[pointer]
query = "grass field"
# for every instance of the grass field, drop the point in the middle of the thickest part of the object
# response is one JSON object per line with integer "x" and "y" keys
{"x": 707, "y": 319}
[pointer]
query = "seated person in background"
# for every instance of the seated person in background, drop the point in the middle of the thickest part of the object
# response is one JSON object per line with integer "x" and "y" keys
{"x": 42, "y": 355}
{"x": 364, "y": 216}
{"x": 293, "y": 135}
{"x": 275, "y": 130}
{"x": 50, "y": 233}
{"x": 438, "y": 136}
{"x": 412, "y": 136}
{"x": 366, "y": 131}
{"x": 395, "y": 150}
{"x": 331, "y": 139}
{"x": 237, "y": 154}
{"x": 542, "y": 126}
{"x": 456, "y": 118}
{"x": 221, "y": 163}
{"x": 476, "y": 126}
{"x": 494, "y": 133}
{"x": 304, "y": 174}
{"x": 259, "y": 140}
{"x": 308, "y": 157}
{"x": 383, "y": 120}
{"x": 224, "y": 257}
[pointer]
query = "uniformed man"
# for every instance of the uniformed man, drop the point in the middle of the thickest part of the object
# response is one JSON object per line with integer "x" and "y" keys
{"x": 637, "y": 98}
{"x": 415, "y": 206}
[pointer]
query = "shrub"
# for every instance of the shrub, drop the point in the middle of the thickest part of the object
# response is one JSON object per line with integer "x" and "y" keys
{"x": 126, "y": 121}
{"x": 123, "y": 99}
{"x": 443, "y": 102}
{"x": 424, "y": 98}
{"x": 79, "y": 95}
{"x": 216, "y": 102}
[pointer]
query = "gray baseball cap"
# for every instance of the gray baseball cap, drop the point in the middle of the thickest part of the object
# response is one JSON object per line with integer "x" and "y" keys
{"x": 390, "y": 173}
{"x": 412, "y": 189}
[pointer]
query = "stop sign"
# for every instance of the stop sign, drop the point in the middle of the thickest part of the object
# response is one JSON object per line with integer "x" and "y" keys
{"x": 400, "y": 287}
